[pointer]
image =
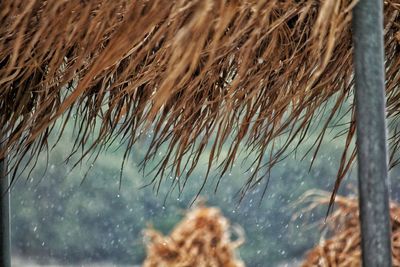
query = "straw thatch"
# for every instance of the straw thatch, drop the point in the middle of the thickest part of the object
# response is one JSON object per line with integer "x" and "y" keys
{"x": 246, "y": 70}
{"x": 201, "y": 239}
{"x": 343, "y": 246}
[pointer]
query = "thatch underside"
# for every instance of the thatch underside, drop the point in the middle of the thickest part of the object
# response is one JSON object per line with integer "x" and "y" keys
{"x": 251, "y": 70}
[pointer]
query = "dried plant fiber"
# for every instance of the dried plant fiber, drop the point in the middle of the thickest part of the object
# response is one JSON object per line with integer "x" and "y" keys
{"x": 201, "y": 239}
{"x": 199, "y": 72}
{"x": 343, "y": 247}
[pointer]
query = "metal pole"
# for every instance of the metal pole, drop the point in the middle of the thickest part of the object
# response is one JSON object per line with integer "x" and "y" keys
{"x": 5, "y": 237}
{"x": 371, "y": 133}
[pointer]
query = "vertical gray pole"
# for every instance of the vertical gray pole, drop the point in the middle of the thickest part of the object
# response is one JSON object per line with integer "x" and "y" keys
{"x": 5, "y": 237}
{"x": 371, "y": 133}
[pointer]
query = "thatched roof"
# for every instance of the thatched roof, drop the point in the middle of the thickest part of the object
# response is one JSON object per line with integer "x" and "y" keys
{"x": 250, "y": 70}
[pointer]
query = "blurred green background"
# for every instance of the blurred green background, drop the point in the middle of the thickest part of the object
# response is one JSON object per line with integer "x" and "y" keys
{"x": 59, "y": 216}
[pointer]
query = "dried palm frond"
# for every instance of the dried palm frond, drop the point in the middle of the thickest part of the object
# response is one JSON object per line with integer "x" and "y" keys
{"x": 201, "y": 239}
{"x": 342, "y": 248}
{"x": 200, "y": 72}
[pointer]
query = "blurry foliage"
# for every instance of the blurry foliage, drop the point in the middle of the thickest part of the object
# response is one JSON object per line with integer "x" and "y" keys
{"x": 58, "y": 214}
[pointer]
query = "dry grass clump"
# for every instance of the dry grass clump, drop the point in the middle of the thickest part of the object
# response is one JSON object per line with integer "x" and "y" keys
{"x": 201, "y": 239}
{"x": 343, "y": 248}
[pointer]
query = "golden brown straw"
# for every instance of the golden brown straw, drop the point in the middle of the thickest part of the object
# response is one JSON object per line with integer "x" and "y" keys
{"x": 201, "y": 72}
{"x": 343, "y": 246}
{"x": 201, "y": 239}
